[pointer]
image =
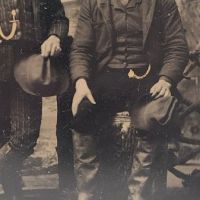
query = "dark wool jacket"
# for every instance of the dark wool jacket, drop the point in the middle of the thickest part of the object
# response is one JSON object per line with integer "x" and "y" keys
{"x": 163, "y": 39}
{"x": 49, "y": 19}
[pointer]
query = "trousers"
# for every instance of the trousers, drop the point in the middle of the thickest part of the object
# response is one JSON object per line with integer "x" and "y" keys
{"x": 20, "y": 118}
{"x": 64, "y": 142}
{"x": 99, "y": 168}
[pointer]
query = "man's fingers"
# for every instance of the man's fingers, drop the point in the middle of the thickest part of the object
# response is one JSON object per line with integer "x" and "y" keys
{"x": 51, "y": 46}
{"x": 57, "y": 50}
{"x": 74, "y": 109}
{"x": 46, "y": 49}
{"x": 53, "y": 50}
{"x": 157, "y": 96}
{"x": 75, "y": 103}
{"x": 155, "y": 92}
{"x": 43, "y": 50}
{"x": 74, "y": 106}
{"x": 152, "y": 89}
{"x": 167, "y": 93}
{"x": 160, "y": 89}
{"x": 90, "y": 97}
{"x": 161, "y": 93}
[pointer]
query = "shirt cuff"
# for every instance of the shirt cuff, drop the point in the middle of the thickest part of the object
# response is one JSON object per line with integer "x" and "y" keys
{"x": 167, "y": 79}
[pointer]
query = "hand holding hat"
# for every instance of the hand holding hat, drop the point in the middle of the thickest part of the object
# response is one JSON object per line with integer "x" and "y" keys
{"x": 150, "y": 114}
{"x": 161, "y": 89}
{"x": 51, "y": 46}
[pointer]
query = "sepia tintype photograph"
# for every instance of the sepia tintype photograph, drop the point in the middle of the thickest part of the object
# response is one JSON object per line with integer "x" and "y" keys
{"x": 99, "y": 99}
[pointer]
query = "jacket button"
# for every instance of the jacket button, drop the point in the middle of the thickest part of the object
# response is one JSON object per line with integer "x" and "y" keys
{"x": 18, "y": 35}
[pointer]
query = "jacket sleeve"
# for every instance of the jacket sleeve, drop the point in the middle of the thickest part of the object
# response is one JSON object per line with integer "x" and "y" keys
{"x": 59, "y": 23}
{"x": 83, "y": 46}
{"x": 175, "y": 47}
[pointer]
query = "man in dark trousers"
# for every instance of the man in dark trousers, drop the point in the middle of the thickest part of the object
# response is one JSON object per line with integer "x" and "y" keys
{"x": 27, "y": 27}
{"x": 64, "y": 148}
{"x": 122, "y": 50}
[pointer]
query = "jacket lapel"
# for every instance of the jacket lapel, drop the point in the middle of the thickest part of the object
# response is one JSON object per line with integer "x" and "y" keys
{"x": 105, "y": 8}
{"x": 148, "y": 7}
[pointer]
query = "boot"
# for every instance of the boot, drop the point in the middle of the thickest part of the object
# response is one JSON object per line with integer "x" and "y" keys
{"x": 10, "y": 163}
{"x": 66, "y": 174}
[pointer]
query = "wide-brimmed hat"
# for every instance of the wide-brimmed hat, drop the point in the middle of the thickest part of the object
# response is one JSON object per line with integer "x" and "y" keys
{"x": 149, "y": 114}
{"x": 42, "y": 76}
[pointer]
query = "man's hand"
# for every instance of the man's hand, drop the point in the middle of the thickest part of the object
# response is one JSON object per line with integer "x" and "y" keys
{"x": 161, "y": 89}
{"x": 51, "y": 46}
{"x": 82, "y": 91}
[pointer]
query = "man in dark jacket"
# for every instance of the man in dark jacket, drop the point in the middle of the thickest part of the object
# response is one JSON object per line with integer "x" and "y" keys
{"x": 122, "y": 49}
{"x": 26, "y": 27}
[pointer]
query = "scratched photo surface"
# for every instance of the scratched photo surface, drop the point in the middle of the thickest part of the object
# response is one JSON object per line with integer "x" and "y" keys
{"x": 48, "y": 172}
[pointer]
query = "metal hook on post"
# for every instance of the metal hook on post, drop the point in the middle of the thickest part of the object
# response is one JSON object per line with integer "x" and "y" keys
{"x": 13, "y": 29}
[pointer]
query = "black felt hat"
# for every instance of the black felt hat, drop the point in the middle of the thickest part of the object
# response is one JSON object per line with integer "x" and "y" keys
{"x": 42, "y": 76}
{"x": 149, "y": 114}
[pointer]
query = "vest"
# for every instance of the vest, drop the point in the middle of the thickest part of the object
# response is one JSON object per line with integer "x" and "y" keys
{"x": 127, "y": 21}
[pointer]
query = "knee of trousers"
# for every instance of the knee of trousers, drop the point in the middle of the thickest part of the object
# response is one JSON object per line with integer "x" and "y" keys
{"x": 84, "y": 126}
{"x": 86, "y": 162}
{"x": 85, "y": 119}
